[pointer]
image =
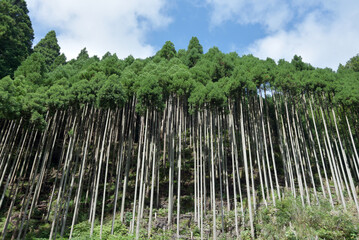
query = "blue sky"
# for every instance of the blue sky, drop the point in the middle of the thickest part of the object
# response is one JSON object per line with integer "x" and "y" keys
{"x": 194, "y": 19}
{"x": 323, "y": 32}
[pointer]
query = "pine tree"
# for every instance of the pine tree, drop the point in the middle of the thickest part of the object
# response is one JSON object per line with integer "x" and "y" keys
{"x": 194, "y": 52}
{"x": 168, "y": 50}
{"x": 49, "y": 48}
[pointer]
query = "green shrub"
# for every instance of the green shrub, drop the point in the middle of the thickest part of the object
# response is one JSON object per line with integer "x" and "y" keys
{"x": 289, "y": 219}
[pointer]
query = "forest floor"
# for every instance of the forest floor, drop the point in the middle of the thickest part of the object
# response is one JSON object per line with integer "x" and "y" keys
{"x": 287, "y": 220}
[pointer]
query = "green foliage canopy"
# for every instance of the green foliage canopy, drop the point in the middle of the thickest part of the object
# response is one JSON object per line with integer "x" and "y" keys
{"x": 16, "y": 35}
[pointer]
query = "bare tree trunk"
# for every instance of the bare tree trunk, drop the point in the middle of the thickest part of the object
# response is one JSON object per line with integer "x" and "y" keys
{"x": 105, "y": 183}
{"x": 265, "y": 148}
{"x": 128, "y": 160}
{"x": 140, "y": 142}
{"x": 246, "y": 172}
{"x": 139, "y": 214}
{"x": 352, "y": 187}
{"x": 154, "y": 163}
{"x": 321, "y": 155}
{"x": 213, "y": 182}
{"x": 119, "y": 167}
{"x": 220, "y": 173}
{"x": 89, "y": 133}
{"x": 63, "y": 180}
{"x": 295, "y": 157}
{"x": 179, "y": 168}
{"x": 354, "y": 148}
{"x": 99, "y": 172}
{"x": 335, "y": 173}
{"x": 171, "y": 159}
{"x": 234, "y": 177}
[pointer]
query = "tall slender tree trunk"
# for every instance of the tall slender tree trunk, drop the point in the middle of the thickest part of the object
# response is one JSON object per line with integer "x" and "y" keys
{"x": 213, "y": 182}
{"x": 246, "y": 171}
{"x": 179, "y": 169}
{"x": 99, "y": 172}
{"x": 321, "y": 154}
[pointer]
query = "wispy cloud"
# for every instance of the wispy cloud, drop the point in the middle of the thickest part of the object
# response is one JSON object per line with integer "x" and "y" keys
{"x": 118, "y": 26}
{"x": 324, "y": 33}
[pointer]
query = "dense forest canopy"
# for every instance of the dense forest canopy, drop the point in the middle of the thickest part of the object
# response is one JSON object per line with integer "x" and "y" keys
{"x": 46, "y": 81}
{"x": 214, "y": 134}
{"x": 42, "y": 79}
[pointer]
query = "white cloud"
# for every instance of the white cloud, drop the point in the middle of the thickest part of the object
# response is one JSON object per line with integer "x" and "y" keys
{"x": 324, "y": 32}
{"x": 271, "y": 13}
{"x": 118, "y": 26}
